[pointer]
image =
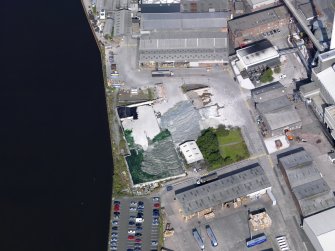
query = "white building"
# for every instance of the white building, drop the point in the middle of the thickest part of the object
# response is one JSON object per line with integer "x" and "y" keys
{"x": 259, "y": 55}
{"x": 191, "y": 152}
{"x": 257, "y": 4}
{"x": 320, "y": 229}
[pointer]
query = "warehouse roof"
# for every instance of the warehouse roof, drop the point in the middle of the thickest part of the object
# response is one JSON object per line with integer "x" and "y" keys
{"x": 282, "y": 118}
{"x": 227, "y": 187}
{"x": 181, "y": 21}
{"x": 326, "y": 78}
{"x": 183, "y": 46}
{"x": 240, "y": 24}
{"x": 311, "y": 191}
{"x": 273, "y": 104}
{"x": 122, "y": 22}
{"x": 323, "y": 227}
{"x": 314, "y": 197}
{"x": 267, "y": 92}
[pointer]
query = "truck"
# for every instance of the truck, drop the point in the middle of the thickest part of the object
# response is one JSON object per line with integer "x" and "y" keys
{"x": 256, "y": 241}
{"x": 211, "y": 236}
{"x": 207, "y": 178}
{"x": 162, "y": 73}
{"x": 197, "y": 237}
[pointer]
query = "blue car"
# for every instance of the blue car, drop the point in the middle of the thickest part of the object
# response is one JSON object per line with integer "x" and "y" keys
{"x": 131, "y": 223}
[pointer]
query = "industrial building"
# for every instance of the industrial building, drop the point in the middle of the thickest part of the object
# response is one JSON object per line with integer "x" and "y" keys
{"x": 183, "y": 39}
{"x": 320, "y": 229}
{"x": 259, "y": 4}
{"x": 257, "y": 57}
{"x": 246, "y": 182}
{"x": 310, "y": 192}
{"x": 204, "y": 6}
{"x": 249, "y": 28}
{"x": 191, "y": 151}
{"x": 159, "y": 6}
{"x": 268, "y": 92}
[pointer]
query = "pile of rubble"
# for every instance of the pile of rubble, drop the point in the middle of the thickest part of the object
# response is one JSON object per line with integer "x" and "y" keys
{"x": 260, "y": 221}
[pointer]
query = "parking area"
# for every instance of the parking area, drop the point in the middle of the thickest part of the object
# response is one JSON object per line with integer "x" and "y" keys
{"x": 135, "y": 224}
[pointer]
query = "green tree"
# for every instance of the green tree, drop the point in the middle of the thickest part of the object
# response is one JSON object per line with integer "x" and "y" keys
{"x": 277, "y": 69}
{"x": 266, "y": 76}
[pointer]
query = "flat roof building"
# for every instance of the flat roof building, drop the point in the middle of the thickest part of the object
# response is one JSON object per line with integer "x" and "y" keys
{"x": 320, "y": 229}
{"x": 258, "y": 4}
{"x": 204, "y": 6}
{"x": 310, "y": 192}
{"x": 159, "y": 6}
{"x": 325, "y": 79}
{"x": 248, "y": 28}
{"x": 262, "y": 54}
{"x": 191, "y": 151}
{"x": 249, "y": 181}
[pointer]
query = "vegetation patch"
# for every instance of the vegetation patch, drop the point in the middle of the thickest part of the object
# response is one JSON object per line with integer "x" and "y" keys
{"x": 129, "y": 138}
{"x": 161, "y": 136}
{"x": 277, "y": 69}
{"x": 222, "y": 146}
{"x": 266, "y": 76}
{"x": 135, "y": 162}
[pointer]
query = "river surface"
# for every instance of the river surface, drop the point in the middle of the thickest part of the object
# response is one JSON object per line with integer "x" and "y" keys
{"x": 55, "y": 152}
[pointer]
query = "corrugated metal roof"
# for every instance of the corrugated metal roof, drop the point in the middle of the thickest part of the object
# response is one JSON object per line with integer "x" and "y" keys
{"x": 180, "y": 21}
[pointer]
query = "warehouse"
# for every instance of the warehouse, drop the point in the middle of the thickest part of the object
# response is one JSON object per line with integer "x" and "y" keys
{"x": 204, "y": 6}
{"x": 279, "y": 121}
{"x": 186, "y": 47}
{"x": 258, "y": 56}
{"x": 310, "y": 192}
{"x": 268, "y": 92}
{"x": 248, "y": 28}
{"x": 191, "y": 151}
{"x": 152, "y": 22}
{"x": 320, "y": 229}
{"x": 246, "y": 182}
{"x": 159, "y": 6}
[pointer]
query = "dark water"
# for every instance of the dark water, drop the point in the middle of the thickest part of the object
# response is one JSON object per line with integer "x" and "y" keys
{"x": 55, "y": 154}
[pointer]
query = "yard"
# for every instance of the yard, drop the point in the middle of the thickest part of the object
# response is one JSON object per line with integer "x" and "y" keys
{"x": 222, "y": 146}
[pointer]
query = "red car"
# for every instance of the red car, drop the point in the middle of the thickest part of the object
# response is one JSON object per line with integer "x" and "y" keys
{"x": 131, "y": 237}
{"x": 117, "y": 208}
{"x": 156, "y": 205}
{"x": 138, "y": 241}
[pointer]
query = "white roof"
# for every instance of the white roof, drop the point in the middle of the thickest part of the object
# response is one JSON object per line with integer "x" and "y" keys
{"x": 326, "y": 78}
{"x": 323, "y": 227}
{"x": 258, "y": 56}
{"x": 160, "y": 1}
{"x": 191, "y": 151}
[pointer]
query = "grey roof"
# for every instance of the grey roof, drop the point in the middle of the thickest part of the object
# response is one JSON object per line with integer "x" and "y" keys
{"x": 182, "y": 21}
{"x": 226, "y": 188}
{"x": 183, "y": 46}
{"x": 267, "y": 92}
{"x": 273, "y": 104}
{"x": 257, "y": 47}
{"x": 204, "y": 5}
{"x": 308, "y": 187}
{"x": 122, "y": 22}
{"x": 310, "y": 87}
{"x": 243, "y": 23}
{"x": 282, "y": 118}
{"x": 314, "y": 197}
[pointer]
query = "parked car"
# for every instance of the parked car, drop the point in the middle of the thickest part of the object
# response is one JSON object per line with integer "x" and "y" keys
{"x": 282, "y": 76}
{"x": 114, "y": 239}
{"x": 115, "y": 222}
{"x": 131, "y": 223}
{"x": 138, "y": 234}
{"x": 116, "y": 215}
{"x": 155, "y": 213}
{"x": 133, "y": 203}
{"x": 132, "y": 209}
{"x": 131, "y": 231}
{"x": 154, "y": 243}
{"x": 138, "y": 224}
{"x": 156, "y": 199}
{"x": 117, "y": 207}
{"x": 116, "y": 202}
{"x": 138, "y": 241}
{"x": 139, "y": 229}
{"x": 114, "y": 234}
{"x": 156, "y": 205}
{"x": 132, "y": 217}
{"x": 115, "y": 228}
{"x": 155, "y": 221}
{"x": 131, "y": 237}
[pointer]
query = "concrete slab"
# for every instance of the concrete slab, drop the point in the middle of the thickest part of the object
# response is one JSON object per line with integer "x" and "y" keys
{"x": 271, "y": 145}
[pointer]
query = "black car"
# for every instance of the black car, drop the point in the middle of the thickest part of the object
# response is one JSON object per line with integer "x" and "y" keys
{"x": 131, "y": 223}
{"x": 138, "y": 234}
{"x": 138, "y": 224}
{"x": 115, "y": 228}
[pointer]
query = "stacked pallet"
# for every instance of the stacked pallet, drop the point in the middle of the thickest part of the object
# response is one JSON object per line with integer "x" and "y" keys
{"x": 260, "y": 221}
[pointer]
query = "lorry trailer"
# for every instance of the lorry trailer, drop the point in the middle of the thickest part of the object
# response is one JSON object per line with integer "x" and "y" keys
{"x": 197, "y": 237}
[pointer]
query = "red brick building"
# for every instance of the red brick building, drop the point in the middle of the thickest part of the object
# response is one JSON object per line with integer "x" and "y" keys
{"x": 249, "y": 28}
